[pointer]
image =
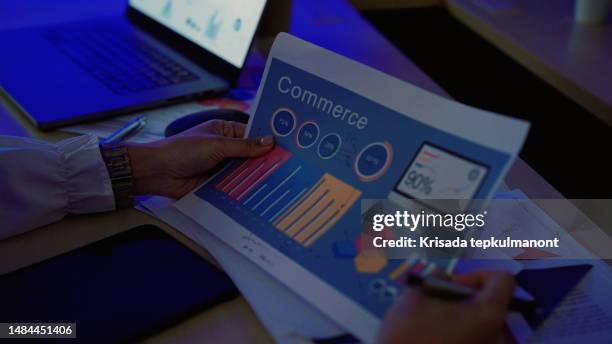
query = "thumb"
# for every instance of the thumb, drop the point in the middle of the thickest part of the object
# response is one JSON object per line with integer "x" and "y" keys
{"x": 239, "y": 148}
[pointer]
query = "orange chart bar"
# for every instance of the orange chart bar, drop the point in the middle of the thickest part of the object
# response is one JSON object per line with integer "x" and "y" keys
{"x": 318, "y": 210}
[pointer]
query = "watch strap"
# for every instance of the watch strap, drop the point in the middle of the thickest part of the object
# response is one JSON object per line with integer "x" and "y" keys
{"x": 117, "y": 160}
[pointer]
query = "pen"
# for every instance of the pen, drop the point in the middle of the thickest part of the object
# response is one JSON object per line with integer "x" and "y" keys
{"x": 131, "y": 128}
{"x": 446, "y": 289}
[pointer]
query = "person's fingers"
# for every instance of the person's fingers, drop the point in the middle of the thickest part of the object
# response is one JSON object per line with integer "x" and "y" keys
{"x": 413, "y": 294}
{"x": 496, "y": 290}
{"x": 238, "y": 148}
{"x": 473, "y": 279}
{"x": 226, "y": 128}
{"x": 234, "y": 129}
{"x": 217, "y": 127}
{"x": 410, "y": 300}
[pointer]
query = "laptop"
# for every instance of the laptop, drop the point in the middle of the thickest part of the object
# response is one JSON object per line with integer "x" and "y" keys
{"x": 161, "y": 52}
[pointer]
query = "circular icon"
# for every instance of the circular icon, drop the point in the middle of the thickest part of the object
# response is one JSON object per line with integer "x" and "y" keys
{"x": 329, "y": 146}
{"x": 373, "y": 161}
{"x": 307, "y": 135}
{"x": 283, "y": 122}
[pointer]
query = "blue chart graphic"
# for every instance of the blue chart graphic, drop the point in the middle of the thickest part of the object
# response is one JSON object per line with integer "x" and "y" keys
{"x": 298, "y": 200}
{"x": 167, "y": 10}
{"x": 214, "y": 25}
{"x": 303, "y": 197}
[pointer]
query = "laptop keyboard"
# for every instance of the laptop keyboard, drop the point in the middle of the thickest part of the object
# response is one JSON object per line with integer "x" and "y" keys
{"x": 121, "y": 62}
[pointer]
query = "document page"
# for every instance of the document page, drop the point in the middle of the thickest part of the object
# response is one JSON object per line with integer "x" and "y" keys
{"x": 584, "y": 316}
{"x": 345, "y": 132}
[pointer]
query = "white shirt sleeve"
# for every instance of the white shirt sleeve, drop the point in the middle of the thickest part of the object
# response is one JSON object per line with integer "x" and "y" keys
{"x": 41, "y": 183}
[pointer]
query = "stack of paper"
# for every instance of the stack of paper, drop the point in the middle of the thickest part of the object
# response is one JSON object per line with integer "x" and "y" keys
{"x": 261, "y": 290}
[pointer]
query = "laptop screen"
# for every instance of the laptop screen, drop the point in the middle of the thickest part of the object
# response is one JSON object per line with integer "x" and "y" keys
{"x": 223, "y": 27}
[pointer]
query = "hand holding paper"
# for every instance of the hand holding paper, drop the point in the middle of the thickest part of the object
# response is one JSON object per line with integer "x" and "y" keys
{"x": 178, "y": 164}
{"x": 296, "y": 211}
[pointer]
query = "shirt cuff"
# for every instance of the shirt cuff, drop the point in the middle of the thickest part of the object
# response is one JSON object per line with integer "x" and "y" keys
{"x": 88, "y": 186}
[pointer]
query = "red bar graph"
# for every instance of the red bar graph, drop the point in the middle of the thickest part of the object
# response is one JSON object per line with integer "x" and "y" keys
{"x": 252, "y": 172}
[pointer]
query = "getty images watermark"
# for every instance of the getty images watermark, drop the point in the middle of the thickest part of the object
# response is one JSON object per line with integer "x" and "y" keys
{"x": 495, "y": 229}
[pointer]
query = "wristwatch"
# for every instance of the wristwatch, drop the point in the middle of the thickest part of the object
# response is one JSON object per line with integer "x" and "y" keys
{"x": 117, "y": 162}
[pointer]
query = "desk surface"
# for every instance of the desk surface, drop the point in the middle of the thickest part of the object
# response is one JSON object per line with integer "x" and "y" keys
{"x": 543, "y": 37}
{"x": 332, "y": 24}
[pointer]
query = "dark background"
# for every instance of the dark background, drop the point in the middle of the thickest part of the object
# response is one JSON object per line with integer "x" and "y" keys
{"x": 567, "y": 145}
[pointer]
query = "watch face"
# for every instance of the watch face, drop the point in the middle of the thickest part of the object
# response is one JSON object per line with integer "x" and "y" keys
{"x": 119, "y": 169}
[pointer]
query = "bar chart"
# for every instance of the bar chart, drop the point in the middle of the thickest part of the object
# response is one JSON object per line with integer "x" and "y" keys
{"x": 296, "y": 199}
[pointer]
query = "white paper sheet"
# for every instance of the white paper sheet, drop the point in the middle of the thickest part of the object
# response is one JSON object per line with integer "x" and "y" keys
{"x": 418, "y": 118}
{"x": 585, "y": 316}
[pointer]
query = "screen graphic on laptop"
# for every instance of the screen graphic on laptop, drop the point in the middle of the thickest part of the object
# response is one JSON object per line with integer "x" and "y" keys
{"x": 223, "y": 27}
